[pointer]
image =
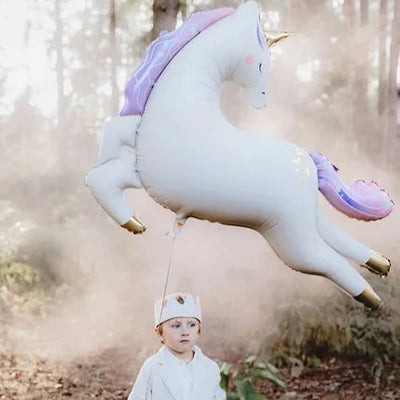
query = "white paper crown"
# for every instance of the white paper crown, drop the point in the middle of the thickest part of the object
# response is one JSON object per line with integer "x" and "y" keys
{"x": 173, "y": 309}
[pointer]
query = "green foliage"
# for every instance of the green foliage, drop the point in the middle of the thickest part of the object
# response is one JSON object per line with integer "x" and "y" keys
{"x": 310, "y": 331}
{"x": 24, "y": 290}
{"x": 16, "y": 276}
{"x": 244, "y": 379}
{"x": 21, "y": 287}
{"x": 297, "y": 367}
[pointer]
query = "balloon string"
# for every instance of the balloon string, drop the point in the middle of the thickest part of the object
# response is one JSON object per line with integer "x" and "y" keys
{"x": 167, "y": 277}
{"x": 163, "y": 299}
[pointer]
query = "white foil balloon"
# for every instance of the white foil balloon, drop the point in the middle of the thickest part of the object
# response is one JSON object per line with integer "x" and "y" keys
{"x": 190, "y": 159}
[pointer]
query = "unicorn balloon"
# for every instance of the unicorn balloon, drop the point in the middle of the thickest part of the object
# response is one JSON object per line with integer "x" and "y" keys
{"x": 172, "y": 139}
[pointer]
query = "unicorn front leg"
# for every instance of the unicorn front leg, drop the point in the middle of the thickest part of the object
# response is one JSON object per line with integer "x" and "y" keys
{"x": 116, "y": 170}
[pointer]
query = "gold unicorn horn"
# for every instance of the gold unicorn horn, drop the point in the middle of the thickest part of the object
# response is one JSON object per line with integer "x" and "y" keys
{"x": 273, "y": 37}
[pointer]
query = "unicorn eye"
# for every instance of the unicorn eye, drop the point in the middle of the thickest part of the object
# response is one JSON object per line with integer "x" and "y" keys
{"x": 260, "y": 68}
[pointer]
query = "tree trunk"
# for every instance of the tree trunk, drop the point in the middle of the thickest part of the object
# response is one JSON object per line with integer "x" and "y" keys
{"x": 350, "y": 14}
{"x": 113, "y": 56}
{"x": 391, "y": 145}
{"x": 62, "y": 140}
{"x": 59, "y": 66}
{"x": 382, "y": 93}
{"x": 362, "y": 120}
{"x": 363, "y": 66}
{"x": 164, "y": 16}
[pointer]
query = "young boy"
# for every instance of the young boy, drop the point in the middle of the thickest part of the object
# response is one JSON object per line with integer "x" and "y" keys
{"x": 179, "y": 370}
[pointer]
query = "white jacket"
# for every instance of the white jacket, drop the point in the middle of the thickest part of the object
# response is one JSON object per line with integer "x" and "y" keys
{"x": 158, "y": 379}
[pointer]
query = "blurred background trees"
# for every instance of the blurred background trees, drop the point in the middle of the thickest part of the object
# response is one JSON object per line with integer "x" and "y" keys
{"x": 63, "y": 66}
{"x": 350, "y": 46}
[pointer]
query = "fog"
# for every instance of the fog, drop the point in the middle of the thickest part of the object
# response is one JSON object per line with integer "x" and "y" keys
{"x": 113, "y": 277}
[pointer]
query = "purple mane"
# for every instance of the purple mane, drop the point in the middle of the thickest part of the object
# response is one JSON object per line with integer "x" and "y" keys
{"x": 160, "y": 53}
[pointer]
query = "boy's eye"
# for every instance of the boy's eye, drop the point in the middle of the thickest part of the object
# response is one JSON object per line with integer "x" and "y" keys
{"x": 192, "y": 324}
{"x": 175, "y": 326}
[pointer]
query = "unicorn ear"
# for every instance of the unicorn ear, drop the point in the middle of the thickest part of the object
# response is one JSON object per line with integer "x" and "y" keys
{"x": 250, "y": 8}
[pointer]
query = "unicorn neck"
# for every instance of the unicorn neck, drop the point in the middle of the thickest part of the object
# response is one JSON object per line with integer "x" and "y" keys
{"x": 206, "y": 68}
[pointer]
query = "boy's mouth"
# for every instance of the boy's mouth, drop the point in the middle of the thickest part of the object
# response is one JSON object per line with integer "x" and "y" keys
{"x": 185, "y": 341}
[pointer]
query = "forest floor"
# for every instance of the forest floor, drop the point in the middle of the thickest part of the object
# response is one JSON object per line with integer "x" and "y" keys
{"x": 111, "y": 373}
{"x": 105, "y": 376}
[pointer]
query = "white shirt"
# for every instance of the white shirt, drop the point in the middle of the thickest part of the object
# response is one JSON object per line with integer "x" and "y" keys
{"x": 165, "y": 377}
{"x": 184, "y": 371}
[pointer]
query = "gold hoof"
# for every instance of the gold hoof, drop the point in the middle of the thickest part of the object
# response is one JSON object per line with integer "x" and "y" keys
{"x": 134, "y": 225}
{"x": 369, "y": 298}
{"x": 378, "y": 264}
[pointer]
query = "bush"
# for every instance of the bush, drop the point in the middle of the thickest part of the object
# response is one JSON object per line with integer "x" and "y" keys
{"x": 16, "y": 276}
{"x": 242, "y": 386}
{"x": 312, "y": 330}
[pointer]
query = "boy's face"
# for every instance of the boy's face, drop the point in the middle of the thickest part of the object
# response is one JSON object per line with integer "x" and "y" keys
{"x": 180, "y": 334}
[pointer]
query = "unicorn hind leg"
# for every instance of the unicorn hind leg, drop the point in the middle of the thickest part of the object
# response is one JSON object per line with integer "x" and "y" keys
{"x": 351, "y": 248}
{"x": 305, "y": 251}
{"x": 107, "y": 182}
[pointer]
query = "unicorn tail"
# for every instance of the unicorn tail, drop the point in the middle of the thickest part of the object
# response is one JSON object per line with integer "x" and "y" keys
{"x": 362, "y": 201}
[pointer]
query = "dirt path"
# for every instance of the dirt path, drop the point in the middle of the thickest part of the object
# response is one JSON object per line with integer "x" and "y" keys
{"x": 110, "y": 375}
{"x": 335, "y": 380}
{"x": 29, "y": 378}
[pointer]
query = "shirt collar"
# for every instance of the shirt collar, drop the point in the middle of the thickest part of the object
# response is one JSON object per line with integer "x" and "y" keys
{"x": 170, "y": 358}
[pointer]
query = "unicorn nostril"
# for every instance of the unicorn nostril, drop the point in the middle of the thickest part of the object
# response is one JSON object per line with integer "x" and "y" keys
{"x": 263, "y": 93}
